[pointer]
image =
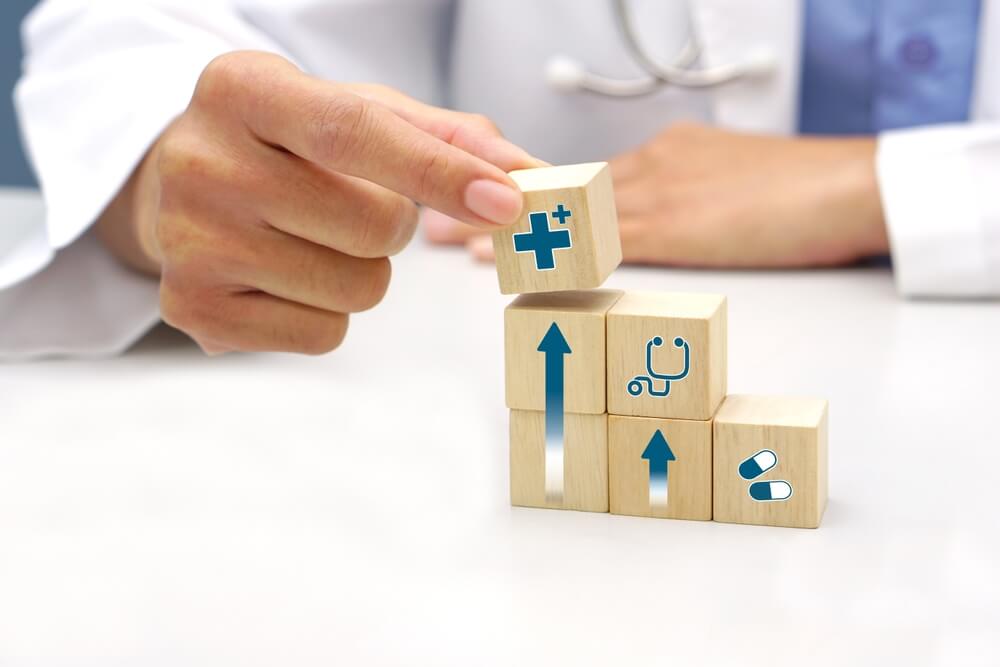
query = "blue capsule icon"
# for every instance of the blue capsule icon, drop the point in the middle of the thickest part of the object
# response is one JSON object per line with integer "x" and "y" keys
{"x": 770, "y": 491}
{"x": 758, "y": 464}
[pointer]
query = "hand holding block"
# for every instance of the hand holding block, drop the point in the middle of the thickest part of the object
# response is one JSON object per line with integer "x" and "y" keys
{"x": 567, "y": 236}
{"x": 579, "y": 318}
{"x": 581, "y": 463}
{"x": 770, "y": 463}
{"x": 667, "y": 355}
{"x": 660, "y": 467}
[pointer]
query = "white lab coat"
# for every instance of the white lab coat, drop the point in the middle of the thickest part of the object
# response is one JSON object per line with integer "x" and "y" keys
{"x": 103, "y": 78}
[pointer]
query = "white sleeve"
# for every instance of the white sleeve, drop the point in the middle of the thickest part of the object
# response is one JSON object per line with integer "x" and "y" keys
{"x": 101, "y": 81}
{"x": 941, "y": 199}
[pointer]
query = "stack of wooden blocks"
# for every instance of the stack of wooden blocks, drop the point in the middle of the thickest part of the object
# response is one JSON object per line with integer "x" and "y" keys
{"x": 618, "y": 400}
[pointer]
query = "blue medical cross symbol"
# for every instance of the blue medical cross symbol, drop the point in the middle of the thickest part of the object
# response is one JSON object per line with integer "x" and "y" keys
{"x": 543, "y": 241}
{"x": 561, "y": 213}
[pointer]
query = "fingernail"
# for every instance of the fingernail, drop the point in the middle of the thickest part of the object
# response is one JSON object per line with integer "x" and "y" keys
{"x": 494, "y": 201}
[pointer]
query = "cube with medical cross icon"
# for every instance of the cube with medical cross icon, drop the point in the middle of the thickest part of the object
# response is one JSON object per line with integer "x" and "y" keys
{"x": 667, "y": 355}
{"x": 567, "y": 236}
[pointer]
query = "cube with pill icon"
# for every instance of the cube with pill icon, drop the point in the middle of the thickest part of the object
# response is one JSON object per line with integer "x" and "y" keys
{"x": 660, "y": 467}
{"x": 770, "y": 461}
{"x": 667, "y": 355}
{"x": 567, "y": 236}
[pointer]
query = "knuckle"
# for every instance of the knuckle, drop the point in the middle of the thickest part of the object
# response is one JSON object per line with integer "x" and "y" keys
{"x": 372, "y": 284}
{"x": 181, "y": 309}
{"x": 185, "y": 163}
{"x": 431, "y": 182}
{"x": 384, "y": 226}
{"x": 483, "y": 123}
{"x": 326, "y": 336}
{"x": 172, "y": 236}
{"x": 344, "y": 125}
{"x": 181, "y": 242}
{"x": 232, "y": 73}
{"x": 221, "y": 77}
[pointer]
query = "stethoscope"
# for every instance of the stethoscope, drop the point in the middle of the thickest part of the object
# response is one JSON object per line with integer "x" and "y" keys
{"x": 568, "y": 75}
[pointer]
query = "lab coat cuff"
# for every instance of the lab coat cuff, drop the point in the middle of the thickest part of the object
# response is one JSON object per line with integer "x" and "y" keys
{"x": 81, "y": 169}
{"x": 938, "y": 211}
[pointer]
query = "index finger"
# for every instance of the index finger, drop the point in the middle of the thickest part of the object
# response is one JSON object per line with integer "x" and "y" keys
{"x": 331, "y": 126}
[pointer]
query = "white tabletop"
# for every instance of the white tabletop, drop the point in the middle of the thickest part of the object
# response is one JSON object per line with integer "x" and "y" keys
{"x": 164, "y": 508}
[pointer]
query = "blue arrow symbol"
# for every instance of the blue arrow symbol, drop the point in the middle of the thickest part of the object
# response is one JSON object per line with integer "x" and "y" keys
{"x": 554, "y": 346}
{"x": 659, "y": 455}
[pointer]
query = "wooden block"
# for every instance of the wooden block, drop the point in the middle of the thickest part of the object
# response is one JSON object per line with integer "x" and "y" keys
{"x": 585, "y": 462}
{"x": 667, "y": 355}
{"x": 580, "y": 317}
{"x": 660, "y": 467}
{"x": 765, "y": 449}
{"x": 567, "y": 237}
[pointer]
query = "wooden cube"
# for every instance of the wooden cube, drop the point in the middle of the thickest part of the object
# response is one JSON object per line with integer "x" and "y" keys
{"x": 567, "y": 236}
{"x": 667, "y": 355}
{"x": 580, "y": 319}
{"x": 660, "y": 467}
{"x": 770, "y": 461}
{"x": 581, "y": 467}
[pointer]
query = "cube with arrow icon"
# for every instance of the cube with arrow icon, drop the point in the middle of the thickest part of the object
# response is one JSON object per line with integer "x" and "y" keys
{"x": 660, "y": 467}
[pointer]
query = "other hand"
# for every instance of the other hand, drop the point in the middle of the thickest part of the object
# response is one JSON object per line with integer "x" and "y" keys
{"x": 704, "y": 197}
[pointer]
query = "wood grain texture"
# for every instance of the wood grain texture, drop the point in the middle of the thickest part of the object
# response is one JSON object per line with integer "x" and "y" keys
{"x": 585, "y": 464}
{"x": 585, "y": 190}
{"x": 795, "y": 429}
{"x": 700, "y": 319}
{"x": 690, "y": 475}
{"x": 580, "y": 316}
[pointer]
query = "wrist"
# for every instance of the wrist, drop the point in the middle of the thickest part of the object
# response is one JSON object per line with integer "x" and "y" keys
{"x": 870, "y": 233}
{"x": 127, "y": 225}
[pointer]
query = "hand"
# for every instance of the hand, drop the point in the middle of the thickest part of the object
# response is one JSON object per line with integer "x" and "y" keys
{"x": 270, "y": 206}
{"x": 699, "y": 196}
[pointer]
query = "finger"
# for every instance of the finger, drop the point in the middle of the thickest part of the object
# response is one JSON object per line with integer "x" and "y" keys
{"x": 644, "y": 244}
{"x": 258, "y": 322}
{"x": 641, "y": 246}
{"x": 473, "y": 133}
{"x": 348, "y": 214}
{"x": 441, "y": 228}
{"x": 628, "y": 167}
{"x": 293, "y": 269}
{"x": 635, "y": 199}
{"x": 338, "y": 130}
{"x": 481, "y": 249}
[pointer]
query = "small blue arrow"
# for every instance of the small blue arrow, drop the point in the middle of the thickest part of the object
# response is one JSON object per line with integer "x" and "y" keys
{"x": 659, "y": 455}
{"x": 554, "y": 346}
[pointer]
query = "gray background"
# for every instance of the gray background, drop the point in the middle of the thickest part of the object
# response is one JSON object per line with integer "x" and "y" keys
{"x": 13, "y": 166}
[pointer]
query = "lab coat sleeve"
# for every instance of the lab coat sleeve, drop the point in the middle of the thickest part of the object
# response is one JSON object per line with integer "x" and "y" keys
{"x": 942, "y": 207}
{"x": 101, "y": 81}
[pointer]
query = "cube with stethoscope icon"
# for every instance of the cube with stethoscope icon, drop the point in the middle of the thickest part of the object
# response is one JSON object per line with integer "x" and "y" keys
{"x": 667, "y": 355}
{"x": 649, "y": 382}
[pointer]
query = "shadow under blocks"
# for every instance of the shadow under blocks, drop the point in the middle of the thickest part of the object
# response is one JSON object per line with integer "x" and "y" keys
{"x": 618, "y": 399}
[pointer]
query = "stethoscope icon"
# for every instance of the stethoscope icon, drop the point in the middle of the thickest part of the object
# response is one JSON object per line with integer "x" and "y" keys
{"x": 635, "y": 386}
{"x": 568, "y": 75}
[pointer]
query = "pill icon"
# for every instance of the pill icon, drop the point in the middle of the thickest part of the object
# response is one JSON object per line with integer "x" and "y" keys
{"x": 758, "y": 464}
{"x": 770, "y": 491}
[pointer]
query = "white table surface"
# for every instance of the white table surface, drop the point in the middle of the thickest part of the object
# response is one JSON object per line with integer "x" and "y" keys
{"x": 163, "y": 508}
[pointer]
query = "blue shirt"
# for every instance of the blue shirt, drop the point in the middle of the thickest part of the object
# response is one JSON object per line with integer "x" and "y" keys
{"x": 874, "y": 65}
